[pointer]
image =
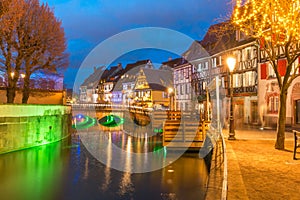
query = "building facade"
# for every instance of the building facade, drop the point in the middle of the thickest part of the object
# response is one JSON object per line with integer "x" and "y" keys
{"x": 151, "y": 87}
{"x": 269, "y": 91}
{"x": 182, "y": 83}
{"x": 255, "y": 87}
{"x": 209, "y": 61}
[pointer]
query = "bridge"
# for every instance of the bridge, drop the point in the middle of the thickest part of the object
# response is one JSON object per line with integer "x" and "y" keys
{"x": 180, "y": 129}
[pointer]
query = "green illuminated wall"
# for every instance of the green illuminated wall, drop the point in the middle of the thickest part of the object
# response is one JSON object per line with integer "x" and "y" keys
{"x": 24, "y": 126}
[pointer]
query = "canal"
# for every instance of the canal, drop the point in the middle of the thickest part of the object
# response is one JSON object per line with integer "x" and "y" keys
{"x": 86, "y": 166}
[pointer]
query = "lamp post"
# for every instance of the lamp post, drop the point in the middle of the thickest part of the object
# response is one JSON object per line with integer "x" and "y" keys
{"x": 231, "y": 64}
{"x": 171, "y": 101}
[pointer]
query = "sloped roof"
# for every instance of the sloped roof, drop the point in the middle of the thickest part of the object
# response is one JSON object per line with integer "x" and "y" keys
{"x": 195, "y": 51}
{"x": 93, "y": 79}
{"x": 156, "y": 77}
{"x": 112, "y": 72}
{"x": 139, "y": 63}
{"x": 130, "y": 73}
{"x": 218, "y": 38}
{"x": 173, "y": 63}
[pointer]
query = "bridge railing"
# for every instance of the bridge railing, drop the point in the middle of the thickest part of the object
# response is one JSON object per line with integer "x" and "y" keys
{"x": 217, "y": 187}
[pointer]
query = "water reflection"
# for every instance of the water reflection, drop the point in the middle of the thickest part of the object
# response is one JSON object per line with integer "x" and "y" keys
{"x": 184, "y": 178}
{"x": 64, "y": 171}
{"x": 35, "y": 173}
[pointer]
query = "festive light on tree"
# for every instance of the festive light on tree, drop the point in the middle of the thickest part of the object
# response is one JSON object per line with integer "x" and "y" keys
{"x": 276, "y": 25}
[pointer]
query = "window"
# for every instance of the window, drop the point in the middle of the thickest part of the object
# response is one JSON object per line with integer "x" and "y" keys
{"x": 273, "y": 104}
{"x": 271, "y": 73}
{"x": 276, "y": 104}
{"x": 206, "y": 65}
{"x": 237, "y": 80}
{"x": 214, "y": 62}
{"x": 249, "y": 79}
{"x": 248, "y": 54}
{"x": 199, "y": 67}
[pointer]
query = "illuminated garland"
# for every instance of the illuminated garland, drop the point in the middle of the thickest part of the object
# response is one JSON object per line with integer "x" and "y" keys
{"x": 274, "y": 20}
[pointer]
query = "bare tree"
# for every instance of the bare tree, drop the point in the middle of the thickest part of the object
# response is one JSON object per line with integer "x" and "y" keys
{"x": 31, "y": 40}
{"x": 11, "y": 11}
{"x": 276, "y": 25}
{"x": 43, "y": 40}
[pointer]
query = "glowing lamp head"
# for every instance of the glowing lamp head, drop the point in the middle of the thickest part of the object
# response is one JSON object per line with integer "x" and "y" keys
{"x": 170, "y": 90}
{"x": 231, "y": 63}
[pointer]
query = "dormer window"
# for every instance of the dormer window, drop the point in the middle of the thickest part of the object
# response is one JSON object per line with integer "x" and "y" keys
{"x": 239, "y": 35}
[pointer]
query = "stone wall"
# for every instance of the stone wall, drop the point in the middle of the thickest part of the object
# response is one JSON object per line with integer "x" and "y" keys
{"x": 37, "y": 97}
{"x": 25, "y": 126}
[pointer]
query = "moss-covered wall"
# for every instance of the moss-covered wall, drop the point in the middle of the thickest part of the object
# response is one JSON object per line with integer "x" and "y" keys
{"x": 24, "y": 126}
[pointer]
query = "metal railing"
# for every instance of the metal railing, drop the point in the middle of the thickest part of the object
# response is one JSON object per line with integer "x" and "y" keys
{"x": 218, "y": 177}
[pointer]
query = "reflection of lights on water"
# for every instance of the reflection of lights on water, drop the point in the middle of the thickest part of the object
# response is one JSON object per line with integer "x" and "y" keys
{"x": 107, "y": 170}
{"x": 81, "y": 121}
{"x": 111, "y": 121}
{"x": 86, "y": 169}
{"x": 128, "y": 145}
{"x": 126, "y": 185}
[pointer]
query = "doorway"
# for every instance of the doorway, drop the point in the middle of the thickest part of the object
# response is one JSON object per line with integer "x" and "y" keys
{"x": 297, "y": 111}
{"x": 254, "y": 112}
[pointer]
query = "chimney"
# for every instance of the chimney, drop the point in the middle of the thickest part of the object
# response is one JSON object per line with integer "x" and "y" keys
{"x": 95, "y": 69}
{"x": 119, "y": 65}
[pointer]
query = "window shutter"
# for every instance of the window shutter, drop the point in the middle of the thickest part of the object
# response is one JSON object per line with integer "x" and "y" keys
{"x": 281, "y": 67}
{"x": 263, "y": 71}
{"x": 299, "y": 64}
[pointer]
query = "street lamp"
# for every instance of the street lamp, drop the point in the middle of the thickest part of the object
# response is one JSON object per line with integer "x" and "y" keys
{"x": 171, "y": 94}
{"x": 231, "y": 64}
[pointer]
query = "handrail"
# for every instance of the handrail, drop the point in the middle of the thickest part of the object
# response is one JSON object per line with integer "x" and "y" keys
{"x": 225, "y": 171}
{"x": 217, "y": 187}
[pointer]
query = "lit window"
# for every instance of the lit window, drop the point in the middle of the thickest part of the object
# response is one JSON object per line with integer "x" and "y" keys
{"x": 206, "y": 65}
{"x": 199, "y": 67}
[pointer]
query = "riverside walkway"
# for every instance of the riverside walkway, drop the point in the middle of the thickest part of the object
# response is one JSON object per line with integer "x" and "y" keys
{"x": 256, "y": 170}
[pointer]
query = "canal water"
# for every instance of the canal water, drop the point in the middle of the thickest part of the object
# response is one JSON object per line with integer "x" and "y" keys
{"x": 67, "y": 170}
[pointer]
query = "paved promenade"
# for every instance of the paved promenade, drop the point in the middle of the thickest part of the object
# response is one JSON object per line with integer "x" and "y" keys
{"x": 256, "y": 170}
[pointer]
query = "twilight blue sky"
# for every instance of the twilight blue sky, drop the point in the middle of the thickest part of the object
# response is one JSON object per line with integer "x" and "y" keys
{"x": 87, "y": 23}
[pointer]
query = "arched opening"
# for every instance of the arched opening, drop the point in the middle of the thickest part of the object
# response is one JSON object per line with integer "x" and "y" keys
{"x": 296, "y": 103}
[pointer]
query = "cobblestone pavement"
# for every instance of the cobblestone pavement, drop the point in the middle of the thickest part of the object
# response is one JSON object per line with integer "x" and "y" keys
{"x": 256, "y": 170}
